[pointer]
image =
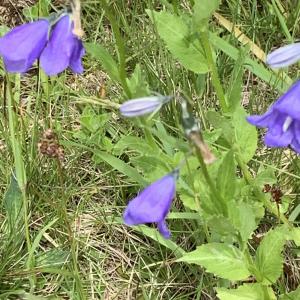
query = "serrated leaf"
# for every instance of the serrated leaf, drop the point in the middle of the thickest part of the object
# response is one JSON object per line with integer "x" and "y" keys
{"x": 268, "y": 259}
{"x": 226, "y": 178}
{"x": 243, "y": 219}
{"x": 223, "y": 260}
{"x": 245, "y": 134}
{"x": 175, "y": 33}
{"x": 253, "y": 291}
{"x": 107, "y": 61}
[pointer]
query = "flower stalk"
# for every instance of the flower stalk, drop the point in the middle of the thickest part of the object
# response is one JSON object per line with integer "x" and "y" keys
{"x": 214, "y": 71}
{"x": 18, "y": 157}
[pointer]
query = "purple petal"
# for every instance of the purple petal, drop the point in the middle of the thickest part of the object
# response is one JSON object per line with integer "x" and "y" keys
{"x": 63, "y": 50}
{"x": 279, "y": 139}
{"x": 23, "y": 45}
{"x": 295, "y": 146}
{"x": 296, "y": 129}
{"x": 264, "y": 120}
{"x": 153, "y": 203}
{"x": 78, "y": 53}
{"x": 284, "y": 56}
{"x": 163, "y": 229}
{"x": 289, "y": 102}
{"x": 142, "y": 106}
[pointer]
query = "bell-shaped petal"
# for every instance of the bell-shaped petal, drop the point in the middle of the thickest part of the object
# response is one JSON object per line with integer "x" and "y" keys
{"x": 141, "y": 106}
{"x": 153, "y": 204}
{"x": 21, "y": 46}
{"x": 282, "y": 120}
{"x": 289, "y": 103}
{"x": 284, "y": 56}
{"x": 63, "y": 50}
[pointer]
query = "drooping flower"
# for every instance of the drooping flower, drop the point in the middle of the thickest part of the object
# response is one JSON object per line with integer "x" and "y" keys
{"x": 284, "y": 56}
{"x": 145, "y": 105}
{"x": 63, "y": 50}
{"x": 282, "y": 120}
{"x": 21, "y": 46}
{"x": 153, "y": 204}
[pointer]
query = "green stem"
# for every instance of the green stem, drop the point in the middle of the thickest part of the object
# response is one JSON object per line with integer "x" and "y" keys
{"x": 214, "y": 71}
{"x": 221, "y": 207}
{"x": 71, "y": 238}
{"x": 18, "y": 158}
{"x": 120, "y": 48}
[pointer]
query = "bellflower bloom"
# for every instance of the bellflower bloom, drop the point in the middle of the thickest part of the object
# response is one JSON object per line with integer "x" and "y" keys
{"x": 284, "y": 56}
{"x": 21, "y": 46}
{"x": 63, "y": 50}
{"x": 153, "y": 204}
{"x": 282, "y": 120}
{"x": 145, "y": 105}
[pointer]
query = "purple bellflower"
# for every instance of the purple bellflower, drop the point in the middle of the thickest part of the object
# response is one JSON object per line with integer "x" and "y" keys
{"x": 21, "y": 46}
{"x": 282, "y": 120}
{"x": 153, "y": 204}
{"x": 145, "y": 105}
{"x": 284, "y": 56}
{"x": 63, "y": 50}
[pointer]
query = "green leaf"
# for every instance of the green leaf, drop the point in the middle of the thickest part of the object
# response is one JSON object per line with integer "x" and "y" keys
{"x": 121, "y": 166}
{"x": 41, "y": 9}
{"x": 93, "y": 121}
{"x": 294, "y": 214}
{"x": 13, "y": 204}
{"x": 265, "y": 176}
{"x": 3, "y": 30}
{"x": 235, "y": 88}
{"x": 294, "y": 235}
{"x": 203, "y": 10}
{"x": 51, "y": 257}
{"x": 253, "y": 66}
{"x": 176, "y": 34}
{"x": 245, "y": 135}
{"x": 188, "y": 200}
{"x": 268, "y": 259}
{"x": 137, "y": 84}
{"x": 253, "y": 291}
{"x": 134, "y": 143}
{"x": 220, "y": 122}
{"x": 107, "y": 61}
{"x": 226, "y": 179}
{"x": 295, "y": 295}
{"x": 242, "y": 216}
{"x": 221, "y": 229}
{"x": 223, "y": 260}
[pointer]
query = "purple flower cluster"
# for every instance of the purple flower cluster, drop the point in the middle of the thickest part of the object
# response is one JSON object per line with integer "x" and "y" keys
{"x": 153, "y": 204}
{"x": 283, "y": 117}
{"x": 28, "y": 42}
